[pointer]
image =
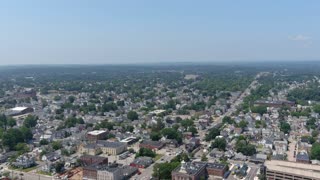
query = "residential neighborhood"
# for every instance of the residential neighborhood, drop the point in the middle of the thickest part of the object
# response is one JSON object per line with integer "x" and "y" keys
{"x": 160, "y": 124}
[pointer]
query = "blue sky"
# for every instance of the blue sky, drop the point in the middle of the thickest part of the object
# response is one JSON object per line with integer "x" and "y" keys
{"x": 147, "y": 31}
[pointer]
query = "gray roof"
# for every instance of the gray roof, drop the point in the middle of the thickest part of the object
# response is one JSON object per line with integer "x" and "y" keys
{"x": 110, "y": 144}
{"x": 192, "y": 168}
{"x": 303, "y": 156}
{"x": 145, "y": 161}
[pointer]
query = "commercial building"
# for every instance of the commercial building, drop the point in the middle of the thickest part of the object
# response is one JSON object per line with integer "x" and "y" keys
{"x": 130, "y": 140}
{"x": 142, "y": 162}
{"x": 89, "y": 160}
{"x": 90, "y": 149}
{"x": 107, "y": 172}
{"x": 106, "y": 147}
{"x": 198, "y": 170}
{"x": 112, "y": 148}
{"x": 281, "y": 170}
{"x": 189, "y": 171}
{"x": 216, "y": 169}
{"x": 153, "y": 145}
{"x": 97, "y": 135}
{"x": 17, "y": 111}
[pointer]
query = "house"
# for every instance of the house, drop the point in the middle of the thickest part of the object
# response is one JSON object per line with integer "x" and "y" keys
{"x": 243, "y": 171}
{"x": 258, "y": 158}
{"x": 50, "y": 157}
{"x": 142, "y": 162}
{"x": 240, "y": 157}
{"x": 303, "y": 157}
{"x": 216, "y": 153}
{"x": 153, "y": 145}
{"x": 171, "y": 143}
{"x": 187, "y": 135}
{"x": 193, "y": 144}
{"x": 47, "y": 167}
{"x": 280, "y": 147}
{"x": 24, "y": 161}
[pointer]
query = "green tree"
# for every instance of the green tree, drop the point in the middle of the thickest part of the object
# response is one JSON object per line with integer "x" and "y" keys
{"x": 12, "y": 122}
{"x": 316, "y": 108}
{"x": 219, "y": 143}
{"x": 243, "y": 124}
{"x": 193, "y": 130}
{"x": 259, "y": 109}
{"x": 12, "y": 137}
{"x": 204, "y": 157}
{"x": 285, "y": 127}
{"x": 71, "y": 99}
{"x": 56, "y": 145}
{"x": 228, "y": 120}
{"x": 59, "y": 167}
{"x": 22, "y": 148}
{"x": 44, "y": 142}
{"x": 213, "y": 133}
{"x": 120, "y": 103}
{"x": 171, "y": 133}
{"x": 57, "y": 98}
{"x": 163, "y": 170}
{"x": 3, "y": 121}
{"x": 30, "y": 121}
{"x": 245, "y": 148}
{"x": 26, "y": 133}
{"x": 132, "y": 115}
{"x": 155, "y": 136}
{"x": 311, "y": 123}
{"x": 315, "y": 151}
{"x": 315, "y": 133}
{"x": 145, "y": 152}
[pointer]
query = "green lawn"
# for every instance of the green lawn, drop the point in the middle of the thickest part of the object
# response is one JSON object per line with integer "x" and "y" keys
{"x": 44, "y": 173}
{"x": 23, "y": 170}
{"x": 158, "y": 156}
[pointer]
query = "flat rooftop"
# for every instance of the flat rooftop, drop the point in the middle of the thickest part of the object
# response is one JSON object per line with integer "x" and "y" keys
{"x": 96, "y": 132}
{"x": 18, "y": 108}
{"x": 308, "y": 170}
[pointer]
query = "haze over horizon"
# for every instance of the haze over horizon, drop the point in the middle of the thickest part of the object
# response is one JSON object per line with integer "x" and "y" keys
{"x": 114, "y": 32}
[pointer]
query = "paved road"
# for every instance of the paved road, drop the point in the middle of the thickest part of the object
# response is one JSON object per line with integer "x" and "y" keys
{"x": 252, "y": 173}
{"x": 28, "y": 175}
{"x": 290, "y": 152}
{"x": 238, "y": 101}
{"x": 147, "y": 173}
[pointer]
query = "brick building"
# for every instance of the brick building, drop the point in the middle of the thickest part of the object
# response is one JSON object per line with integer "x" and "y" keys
{"x": 189, "y": 171}
{"x": 216, "y": 169}
{"x": 198, "y": 170}
{"x": 89, "y": 160}
{"x": 153, "y": 145}
{"x": 142, "y": 162}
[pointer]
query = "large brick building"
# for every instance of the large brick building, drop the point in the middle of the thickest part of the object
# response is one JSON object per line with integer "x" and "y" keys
{"x": 142, "y": 162}
{"x": 153, "y": 145}
{"x": 216, "y": 169}
{"x": 89, "y": 160}
{"x": 189, "y": 171}
{"x": 198, "y": 170}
